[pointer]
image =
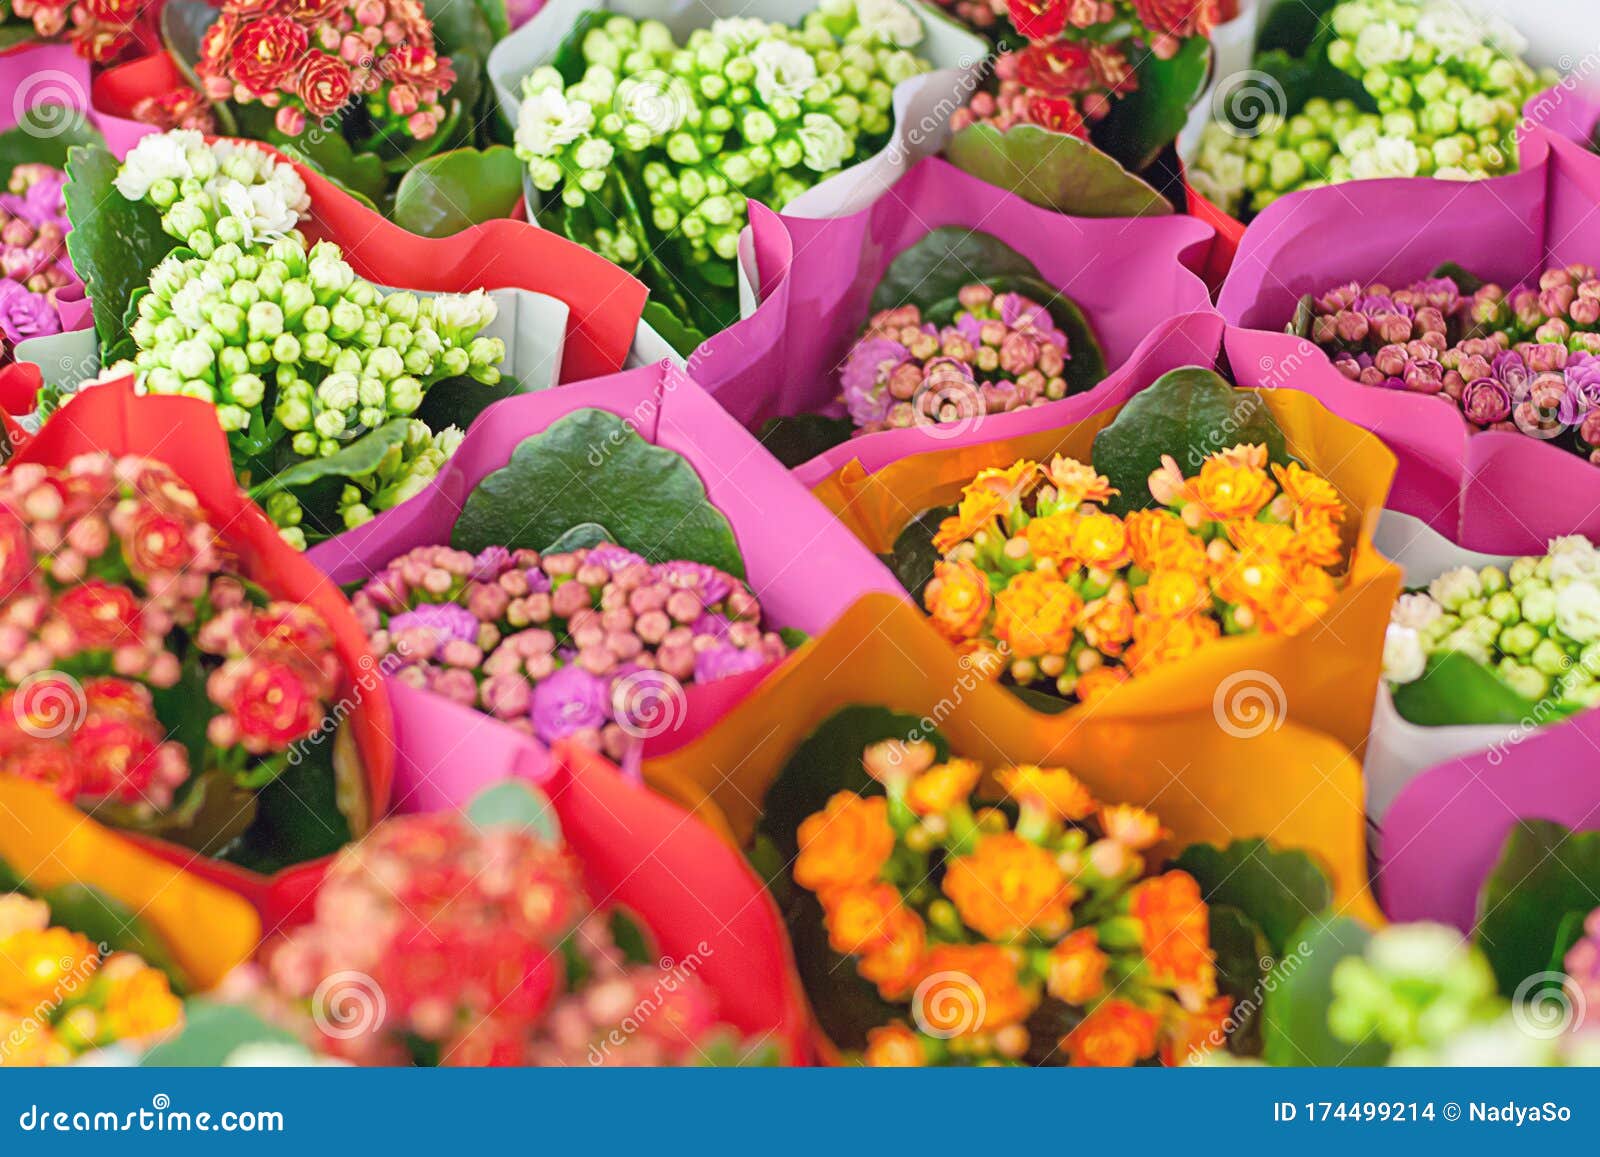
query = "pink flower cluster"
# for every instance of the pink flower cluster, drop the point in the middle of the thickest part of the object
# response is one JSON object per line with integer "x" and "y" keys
{"x": 467, "y": 947}
{"x": 111, "y": 583}
{"x": 1003, "y": 352}
{"x": 34, "y": 267}
{"x": 594, "y": 644}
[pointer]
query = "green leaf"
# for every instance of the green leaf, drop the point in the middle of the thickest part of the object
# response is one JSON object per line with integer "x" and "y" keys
{"x": 1294, "y": 1019}
{"x": 568, "y": 58}
{"x": 1465, "y": 281}
{"x": 1455, "y": 690}
{"x": 914, "y": 556}
{"x": 632, "y": 937}
{"x": 297, "y": 816}
{"x": 580, "y": 537}
{"x": 1054, "y": 171}
{"x": 114, "y": 242}
{"x": 463, "y": 28}
{"x": 211, "y": 1032}
{"x": 183, "y": 27}
{"x": 1244, "y": 959}
{"x": 1305, "y": 317}
{"x": 829, "y": 761}
{"x": 798, "y": 439}
{"x": 591, "y": 466}
{"x": 1148, "y": 119}
{"x": 359, "y": 173}
{"x": 108, "y": 921}
{"x": 453, "y": 191}
{"x": 361, "y": 457}
{"x": 11, "y": 882}
{"x": 1293, "y": 26}
{"x": 515, "y": 804}
{"x": 1546, "y": 872}
{"x": 675, "y": 330}
{"x": 1187, "y": 414}
{"x": 945, "y": 260}
{"x": 1277, "y": 890}
{"x": 27, "y": 144}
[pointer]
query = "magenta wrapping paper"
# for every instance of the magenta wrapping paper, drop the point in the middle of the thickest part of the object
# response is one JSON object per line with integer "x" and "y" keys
{"x": 1500, "y": 493}
{"x": 817, "y": 278}
{"x": 804, "y": 566}
{"x": 1570, "y": 110}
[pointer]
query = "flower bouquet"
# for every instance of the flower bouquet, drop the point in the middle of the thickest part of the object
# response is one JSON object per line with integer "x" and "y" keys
{"x": 655, "y": 581}
{"x": 101, "y": 31}
{"x": 382, "y": 96}
{"x": 645, "y": 130}
{"x": 1192, "y": 540}
{"x": 947, "y": 305}
{"x": 173, "y": 668}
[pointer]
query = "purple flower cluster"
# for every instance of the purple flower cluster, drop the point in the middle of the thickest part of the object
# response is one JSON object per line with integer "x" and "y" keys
{"x": 595, "y": 644}
{"x": 34, "y": 267}
{"x": 1002, "y": 353}
{"x": 1517, "y": 361}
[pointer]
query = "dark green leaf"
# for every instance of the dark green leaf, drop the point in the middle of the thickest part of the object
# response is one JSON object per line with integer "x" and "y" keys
{"x": 1456, "y": 690}
{"x": 515, "y": 804}
{"x": 800, "y": 438}
{"x": 937, "y": 267}
{"x": 29, "y": 145}
{"x": 568, "y": 59}
{"x": 297, "y": 816}
{"x": 452, "y": 191}
{"x": 1188, "y": 415}
{"x": 1546, "y": 872}
{"x": 591, "y": 466}
{"x": 1244, "y": 960}
{"x": 1044, "y": 702}
{"x": 1277, "y": 890}
{"x": 1466, "y": 282}
{"x": 211, "y": 1032}
{"x": 107, "y": 921}
{"x": 674, "y": 330}
{"x": 361, "y": 457}
{"x": 1148, "y": 119}
{"x": 11, "y": 882}
{"x": 914, "y": 554}
{"x": 1294, "y": 1027}
{"x": 632, "y": 936}
{"x": 1293, "y": 25}
{"x": 114, "y": 242}
{"x": 584, "y": 535}
{"x": 1054, "y": 171}
{"x": 459, "y": 400}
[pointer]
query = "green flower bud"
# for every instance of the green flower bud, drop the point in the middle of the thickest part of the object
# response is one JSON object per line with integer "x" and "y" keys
{"x": 405, "y": 393}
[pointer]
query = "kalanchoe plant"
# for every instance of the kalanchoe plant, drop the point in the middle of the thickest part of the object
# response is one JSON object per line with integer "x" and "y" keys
{"x": 1044, "y": 939}
{"x": 1523, "y": 360}
{"x": 647, "y": 150}
{"x": 34, "y": 267}
{"x": 479, "y": 947}
{"x": 61, "y": 996}
{"x": 594, "y": 644}
{"x": 145, "y": 679}
{"x": 102, "y": 31}
{"x": 1386, "y": 88}
{"x": 315, "y": 372}
{"x": 1505, "y": 638}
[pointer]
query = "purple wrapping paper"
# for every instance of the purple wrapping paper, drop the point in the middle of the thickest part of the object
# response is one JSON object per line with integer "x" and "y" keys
{"x": 805, "y": 567}
{"x": 1501, "y": 493}
{"x": 817, "y": 278}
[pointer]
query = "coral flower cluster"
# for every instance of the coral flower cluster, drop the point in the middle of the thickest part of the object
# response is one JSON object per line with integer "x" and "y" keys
{"x": 120, "y": 620}
{"x": 1525, "y": 360}
{"x": 993, "y": 934}
{"x": 1039, "y": 583}
{"x": 60, "y": 998}
{"x": 456, "y": 946}
{"x": 34, "y": 268}
{"x": 1001, "y": 352}
{"x": 99, "y": 30}
{"x": 594, "y": 644}
{"x": 314, "y": 61}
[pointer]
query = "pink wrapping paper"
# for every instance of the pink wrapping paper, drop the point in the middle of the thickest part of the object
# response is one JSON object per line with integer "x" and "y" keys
{"x": 1569, "y": 110}
{"x": 805, "y": 567}
{"x": 817, "y": 278}
{"x": 1501, "y": 493}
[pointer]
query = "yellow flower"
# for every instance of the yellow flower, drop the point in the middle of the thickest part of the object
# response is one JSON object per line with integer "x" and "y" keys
{"x": 973, "y": 988}
{"x": 1132, "y": 827}
{"x": 895, "y": 965}
{"x": 1077, "y": 483}
{"x": 1158, "y": 641}
{"x": 1118, "y": 1033}
{"x": 43, "y": 966}
{"x": 1012, "y": 483}
{"x": 958, "y": 600}
{"x": 1078, "y": 968}
{"x": 1227, "y": 490}
{"x": 977, "y": 511}
{"x": 1100, "y": 540}
{"x": 1175, "y": 934}
{"x": 138, "y": 1002}
{"x": 1314, "y": 497}
{"x": 1008, "y": 888}
{"x": 30, "y": 1043}
{"x": 1050, "y": 538}
{"x": 940, "y": 788}
{"x": 1108, "y": 622}
{"x": 1054, "y": 790}
{"x": 1172, "y": 594}
{"x": 862, "y": 919}
{"x": 1096, "y": 684}
{"x": 1037, "y": 614}
{"x": 893, "y": 1046}
{"x": 844, "y": 845}
{"x": 1159, "y": 540}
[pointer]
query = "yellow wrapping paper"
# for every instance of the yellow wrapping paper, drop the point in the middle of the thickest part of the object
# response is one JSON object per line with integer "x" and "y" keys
{"x": 1296, "y": 787}
{"x": 48, "y": 843}
{"x": 1325, "y": 678}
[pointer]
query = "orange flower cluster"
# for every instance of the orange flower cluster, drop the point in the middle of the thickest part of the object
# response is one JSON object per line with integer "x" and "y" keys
{"x": 59, "y": 998}
{"x": 976, "y": 923}
{"x": 1040, "y": 583}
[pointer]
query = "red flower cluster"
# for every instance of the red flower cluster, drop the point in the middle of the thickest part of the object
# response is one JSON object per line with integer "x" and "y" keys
{"x": 100, "y": 30}
{"x": 435, "y": 940}
{"x": 313, "y": 58}
{"x": 113, "y": 586}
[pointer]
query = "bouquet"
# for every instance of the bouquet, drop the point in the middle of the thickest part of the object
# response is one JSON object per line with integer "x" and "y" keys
{"x": 594, "y": 644}
{"x": 1387, "y": 88}
{"x": 61, "y": 996}
{"x": 317, "y": 374}
{"x": 1039, "y": 583}
{"x": 650, "y": 148}
{"x": 438, "y": 942}
{"x": 98, "y": 30}
{"x": 1042, "y": 940}
{"x": 1526, "y": 360}
{"x": 34, "y": 268}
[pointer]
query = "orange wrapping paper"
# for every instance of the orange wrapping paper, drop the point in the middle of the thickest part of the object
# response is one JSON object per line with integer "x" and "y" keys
{"x": 1325, "y": 678}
